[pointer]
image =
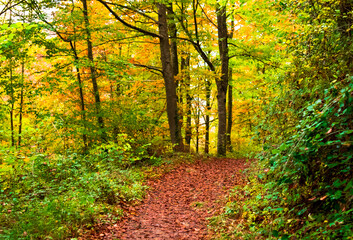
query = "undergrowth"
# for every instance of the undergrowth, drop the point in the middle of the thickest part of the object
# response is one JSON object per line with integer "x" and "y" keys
{"x": 55, "y": 196}
{"x": 303, "y": 188}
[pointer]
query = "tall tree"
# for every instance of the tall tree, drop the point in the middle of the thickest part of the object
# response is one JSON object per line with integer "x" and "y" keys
{"x": 230, "y": 112}
{"x": 230, "y": 96}
{"x": 93, "y": 71}
{"x": 193, "y": 37}
{"x": 185, "y": 68}
{"x": 207, "y": 120}
{"x": 167, "y": 67}
{"x": 168, "y": 75}
{"x": 222, "y": 83}
{"x": 172, "y": 28}
{"x": 15, "y": 50}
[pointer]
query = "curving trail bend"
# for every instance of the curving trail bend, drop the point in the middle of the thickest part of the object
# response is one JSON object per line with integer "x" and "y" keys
{"x": 178, "y": 203}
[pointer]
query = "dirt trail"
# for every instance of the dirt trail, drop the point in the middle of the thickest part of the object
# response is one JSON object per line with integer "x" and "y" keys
{"x": 178, "y": 203}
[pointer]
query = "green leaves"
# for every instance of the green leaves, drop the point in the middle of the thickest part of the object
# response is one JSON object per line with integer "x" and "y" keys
{"x": 310, "y": 166}
{"x": 52, "y": 196}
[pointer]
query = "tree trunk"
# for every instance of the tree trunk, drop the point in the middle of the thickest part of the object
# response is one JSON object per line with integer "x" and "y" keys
{"x": 207, "y": 120}
{"x": 83, "y": 109}
{"x": 222, "y": 83}
{"x": 173, "y": 44}
{"x": 93, "y": 72}
{"x": 175, "y": 65}
{"x": 82, "y": 99}
{"x": 185, "y": 64}
{"x": 21, "y": 105}
{"x": 188, "y": 132}
{"x": 12, "y": 107}
{"x": 167, "y": 68}
{"x": 197, "y": 124}
{"x": 230, "y": 113}
{"x": 170, "y": 86}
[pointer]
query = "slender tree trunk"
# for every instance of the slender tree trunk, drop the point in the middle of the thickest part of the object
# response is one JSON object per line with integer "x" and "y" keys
{"x": 185, "y": 68}
{"x": 230, "y": 113}
{"x": 83, "y": 108}
{"x": 197, "y": 125}
{"x": 82, "y": 99}
{"x": 93, "y": 72}
{"x": 188, "y": 132}
{"x": 12, "y": 98}
{"x": 207, "y": 120}
{"x": 21, "y": 105}
{"x": 222, "y": 83}
{"x": 185, "y": 64}
{"x": 230, "y": 97}
{"x": 170, "y": 86}
{"x": 12, "y": 107}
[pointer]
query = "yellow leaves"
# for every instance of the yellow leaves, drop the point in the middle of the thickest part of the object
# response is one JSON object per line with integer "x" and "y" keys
{"x": 4, "y": 170}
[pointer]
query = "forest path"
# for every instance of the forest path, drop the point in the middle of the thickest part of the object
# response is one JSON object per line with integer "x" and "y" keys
{"x": 178, "y": 203}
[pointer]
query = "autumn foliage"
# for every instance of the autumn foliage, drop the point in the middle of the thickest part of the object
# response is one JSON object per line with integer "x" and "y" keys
{"x": 94, "y": 92}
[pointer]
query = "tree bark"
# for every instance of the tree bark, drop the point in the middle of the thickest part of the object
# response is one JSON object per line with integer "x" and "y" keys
{"x": 185, "y": 64}
{"x": 170, "y": 86}
{"x": 230, "y": 113}
{"x": 207, "y": 120}
{"x": 21, "y": 105}
{"x": 197, "y": 124}
{"x": 12, "y": 107}
{"x": 93, "y": 72}
{"x": 222, "y": 82}
{"x": 80, "y": 86}
{"x": 173, "y": 44}
{"x": 175, "y": 66}
{"x": 185, "y": 67}
{"x": 83, "y": 109}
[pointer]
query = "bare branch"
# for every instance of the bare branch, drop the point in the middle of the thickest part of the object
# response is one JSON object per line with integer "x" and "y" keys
{"x": 152, "y": 34}
{"x": 208, "y": 18}
{"x": 135, "y": 10}
{"x": 256, "y": 59}
{"x": 196, "y": 45}
{"x": 8, "y": 6}
{"x": 148, "y": 67}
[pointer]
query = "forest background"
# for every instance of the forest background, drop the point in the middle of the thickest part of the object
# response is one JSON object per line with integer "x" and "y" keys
{"x": 93, "y": 90}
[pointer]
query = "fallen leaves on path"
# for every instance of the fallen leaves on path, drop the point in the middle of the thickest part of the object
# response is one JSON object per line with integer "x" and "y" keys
{"x": 178, "y": 203}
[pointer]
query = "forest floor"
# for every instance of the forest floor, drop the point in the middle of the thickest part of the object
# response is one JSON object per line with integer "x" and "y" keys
{"x": 178, "y": 202}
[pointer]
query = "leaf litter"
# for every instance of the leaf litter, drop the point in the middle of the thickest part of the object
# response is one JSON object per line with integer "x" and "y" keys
{"x": 178, "y": 203}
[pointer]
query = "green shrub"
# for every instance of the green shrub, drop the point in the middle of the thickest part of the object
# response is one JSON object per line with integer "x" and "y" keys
{"x": 54, "y": 196}
{"x": 303, "y": 188}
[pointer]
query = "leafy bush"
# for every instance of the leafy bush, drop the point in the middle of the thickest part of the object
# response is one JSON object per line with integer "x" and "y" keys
{"x": 124, "y": 153}
{"x": 53, "y": 196}
{"x": 303, "y": 188}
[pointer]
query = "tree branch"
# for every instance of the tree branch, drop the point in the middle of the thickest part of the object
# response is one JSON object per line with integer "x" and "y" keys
{"x": 7, "y": 7}
{"x": 203, "y": 11}
{"x": 255, "y": 58}
{"x": 196, "y": 45}
{"x": 135, "y": 10}
{"x": 152, "y": 34}
{"x": 148, "y": 67}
